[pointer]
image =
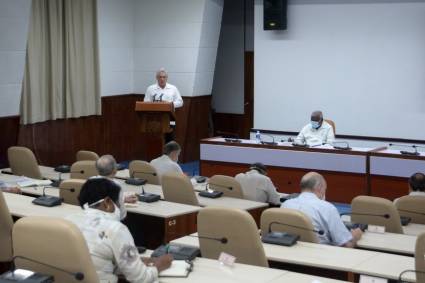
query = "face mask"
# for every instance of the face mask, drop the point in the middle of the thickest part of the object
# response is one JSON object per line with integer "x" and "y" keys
{"x": 315, "y": 124}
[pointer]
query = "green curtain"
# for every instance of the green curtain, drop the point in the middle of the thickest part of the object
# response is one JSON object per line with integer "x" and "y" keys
{"x": 61, "y": 78}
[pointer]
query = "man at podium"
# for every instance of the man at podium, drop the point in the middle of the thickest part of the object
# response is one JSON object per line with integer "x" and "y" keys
{"x": 163, "y": 91}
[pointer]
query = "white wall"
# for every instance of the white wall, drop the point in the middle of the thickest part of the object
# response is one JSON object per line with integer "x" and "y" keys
{"x": 361, "y": 62}
{"x": 14, "y": 18}
{"x": 116, "y": 46}
{"x": 181, "y": 36}
{"x": 228, "y": 87}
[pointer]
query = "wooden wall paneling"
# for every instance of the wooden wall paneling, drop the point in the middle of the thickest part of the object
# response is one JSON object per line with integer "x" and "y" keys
{"x": 9, "y": 137}
{"x": 389, "y": 187}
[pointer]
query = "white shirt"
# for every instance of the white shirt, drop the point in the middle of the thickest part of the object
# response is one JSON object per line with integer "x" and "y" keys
{"x": 258, "y": 187}
{"x": 112, "y": 248}
{"x": 413, "y": 193}
{"x": 164, "y": 164}
{"x": 310, "y": 136}
{"x": 324, "y": 216}
{"x": 169, "y": 93}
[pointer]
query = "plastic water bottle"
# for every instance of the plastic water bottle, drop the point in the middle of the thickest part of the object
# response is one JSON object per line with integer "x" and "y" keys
{"x": 258, "y": 137}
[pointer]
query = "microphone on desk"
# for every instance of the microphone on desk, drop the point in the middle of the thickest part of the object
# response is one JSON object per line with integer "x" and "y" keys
{"x": 320, "y": 232}
{"x": 61, "y": 169}
{"x": 148, "y": 197}
{"x": 50, "y": 201}
{"x": 400, "y": 280}
{"x": 210, "y": 193}
{"x": 386, "y": 215}
{"x": 37, "y": 277}
{"x": 222, "y": 240}
{"x": 137, "y": 181}
{"x": 144, "y": 196}
{"x": 343, "y": 145}
{"x": 405, "y": 152}
{"x": 268, "y": 142}
{"x": 283, "y": 238}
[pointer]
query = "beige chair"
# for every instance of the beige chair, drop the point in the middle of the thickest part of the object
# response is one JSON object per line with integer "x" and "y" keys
{"x": 143, "y": 170}
{"x": 226, "y": 184}
{"x": 413, "y": 207}
{"x": 83, "y": 170}
{"x": 177, "y": 187}
{"x": 240, "y": 230}
{"x": 86, "y": 155}
{"x": 22, "y": 161}
{"x": 290, "y": 217}
{"x": 377, "y": 206}
{"x": 56, "y": 242}
{"x": 332, "y": 123}
{"x": 420, "y": 258}
{"x": 6, "y": 225}
{"x": 70, "y": 190}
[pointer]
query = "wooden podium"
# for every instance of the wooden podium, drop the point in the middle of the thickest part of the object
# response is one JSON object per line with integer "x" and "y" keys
{"x": 155, "y": 120}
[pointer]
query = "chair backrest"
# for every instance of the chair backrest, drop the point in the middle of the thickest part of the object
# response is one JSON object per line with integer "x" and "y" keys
{"x": 226, "y": 184}
{"x": 56, "y": 242}
{"x": 83, "y": 170}
{"x": 144, "y": 170}
{"x": 376, "y": 206}
{"x": 22, "y": 161}
{"x": 70, "y": 190}
{"x": 413, "y": 207}
{"x": 6, "y": 225}
{"x": 240, "y": 230}
{"x": 86, "y": 155}
{"x": 332, "y": 123}
{"x": 177, "y": 187}
{"x": 274, "y": 219}
{"x": 420, "y": 258}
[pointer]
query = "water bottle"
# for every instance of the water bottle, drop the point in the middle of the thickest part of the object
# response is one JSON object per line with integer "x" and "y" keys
{"x": 258, "y": 137}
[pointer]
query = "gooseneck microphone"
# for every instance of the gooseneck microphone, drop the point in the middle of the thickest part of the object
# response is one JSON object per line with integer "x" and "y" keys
{"x": 400, "y": 280}
{"x": 415, "y": 147}
{"x": 77, "y": 275}
{"x": 320, "y": 232}
{"x": 268, "y": 142}
{"x": 142, "y": 172}
{"x": 387, "y": 216}
{"x": 222, "y": 240}
{"x": 50, "y": 201}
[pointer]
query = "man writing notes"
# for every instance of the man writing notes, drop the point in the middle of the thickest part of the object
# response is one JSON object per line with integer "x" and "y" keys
{"x": 317, "y": 131}
{"x": 163, "y": 91}
{"x": 323, "y": 214}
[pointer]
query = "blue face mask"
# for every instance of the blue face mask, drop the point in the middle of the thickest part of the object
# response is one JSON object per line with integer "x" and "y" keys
{"x": 315, "y": 124}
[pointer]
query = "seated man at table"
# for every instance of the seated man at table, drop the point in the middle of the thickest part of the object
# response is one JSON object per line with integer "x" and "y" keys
{"x": 257, "y": 186}
{"x": 109, "y": 241}
{"x": 167, "y": 162}
{"x": 416, "y": 185}
{"x": 317, "y": 132}
{"x": 107, "y": 168}
{"x": 324, "y": 215}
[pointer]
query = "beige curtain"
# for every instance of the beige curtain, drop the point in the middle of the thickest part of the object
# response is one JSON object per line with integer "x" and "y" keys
{"x": 61, "y": 78}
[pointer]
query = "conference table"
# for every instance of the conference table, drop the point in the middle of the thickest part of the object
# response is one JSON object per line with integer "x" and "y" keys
{"x": 331, "y": 261}
{"x": 349, "y": 172}
{"x": 208, "y": 270}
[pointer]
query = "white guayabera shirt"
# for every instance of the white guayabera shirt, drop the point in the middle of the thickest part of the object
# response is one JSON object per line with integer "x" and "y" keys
{"x": 169, "y": 93}
{"x": 112, "y": 248}
{"x": 310, "y": 136}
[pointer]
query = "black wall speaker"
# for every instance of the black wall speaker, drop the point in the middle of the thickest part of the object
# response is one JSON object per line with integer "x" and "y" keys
{"x": 275, "y": 14}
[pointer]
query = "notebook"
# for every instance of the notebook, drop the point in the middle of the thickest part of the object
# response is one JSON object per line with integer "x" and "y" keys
{"x": 178, "y": 268}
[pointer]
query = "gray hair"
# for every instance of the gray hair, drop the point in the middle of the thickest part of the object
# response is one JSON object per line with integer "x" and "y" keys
{"x": 161, "y": 70}
{"x": 170, "y": 147}
{"x": 310, "y": 181}
{"x": 106, "y": 165}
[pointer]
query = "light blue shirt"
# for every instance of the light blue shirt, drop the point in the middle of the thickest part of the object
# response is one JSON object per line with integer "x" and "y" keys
{"x": 324, "y": 216}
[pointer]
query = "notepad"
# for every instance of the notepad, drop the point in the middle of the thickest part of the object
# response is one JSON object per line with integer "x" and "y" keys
{"x": 178, "y": 268}
{"x": 29, "y": 182}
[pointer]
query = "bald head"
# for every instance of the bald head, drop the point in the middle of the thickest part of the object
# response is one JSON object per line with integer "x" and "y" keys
{"x": 315, "y": 183}
{"x": 106, "y": 165}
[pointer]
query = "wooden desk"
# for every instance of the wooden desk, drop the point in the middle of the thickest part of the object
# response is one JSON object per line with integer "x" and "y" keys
{"x": 323, "y": 258}
{"x": 345, "y": 170}
{"x": 390, "y": 170}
